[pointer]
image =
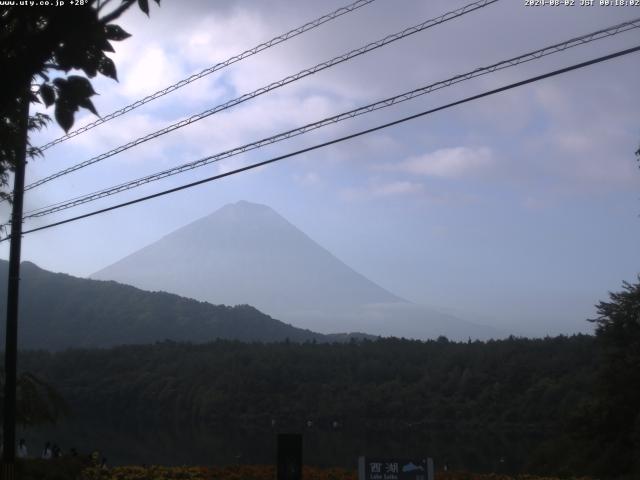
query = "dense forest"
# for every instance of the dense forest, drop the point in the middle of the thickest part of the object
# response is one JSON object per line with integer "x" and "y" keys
{"x": 59, "y": 311}
{"x": 563, "y": 405}
{"x": 509, "y": 405}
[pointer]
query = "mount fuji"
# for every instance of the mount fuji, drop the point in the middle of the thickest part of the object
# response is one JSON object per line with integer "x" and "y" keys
{"x": 246, "y": 253}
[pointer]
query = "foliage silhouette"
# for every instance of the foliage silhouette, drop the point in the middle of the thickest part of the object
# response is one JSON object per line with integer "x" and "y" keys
{"x": 615, "y": 424}
{"x": 39, "y": 46}
{"x": 468, "y": 402}
{"x": 37, "y": 402}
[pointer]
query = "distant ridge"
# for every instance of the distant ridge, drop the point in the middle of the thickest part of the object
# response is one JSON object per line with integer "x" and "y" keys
{"x": 58, "y": 311}
{"x": 246, "y": 253}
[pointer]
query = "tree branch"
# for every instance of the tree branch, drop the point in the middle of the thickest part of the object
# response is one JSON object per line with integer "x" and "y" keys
{"x": 126, "y": 4}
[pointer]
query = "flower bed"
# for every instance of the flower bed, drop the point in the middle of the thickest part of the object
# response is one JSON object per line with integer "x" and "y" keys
{"x": 248, "y": 472}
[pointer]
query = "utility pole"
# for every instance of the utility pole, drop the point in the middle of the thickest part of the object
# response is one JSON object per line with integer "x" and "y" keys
{"x": 11, "y": 340}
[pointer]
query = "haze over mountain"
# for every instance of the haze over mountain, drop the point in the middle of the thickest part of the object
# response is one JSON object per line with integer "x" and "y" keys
{"x": 246, "y": 253}
{"x": 58, "y": 311}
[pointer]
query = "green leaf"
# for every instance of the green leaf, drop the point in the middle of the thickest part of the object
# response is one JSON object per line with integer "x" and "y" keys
{"x": 107, "y": 68}
{"x": 80, "y": 86}
{"x": 107, "y": 47}
{"x": 92, "y": 62}
{"x": 73, "y": 92}
{"x": 144, "y": 6}
{"x": 115, "y": 33}
{"x": 88, "y": 104}
{"x": 37, "y": 121}
{"x": 64, "y": 115}
{"x": 48, "y": 94}
{"x": 70, "y": 55}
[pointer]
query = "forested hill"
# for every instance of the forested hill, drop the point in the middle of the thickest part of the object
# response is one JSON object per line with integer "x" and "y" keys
{"x": 469, "y": 403}
{"x": 58, "y": 311}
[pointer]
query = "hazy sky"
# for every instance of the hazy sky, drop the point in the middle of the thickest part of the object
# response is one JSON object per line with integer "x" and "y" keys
{"x": 520, "y": 209}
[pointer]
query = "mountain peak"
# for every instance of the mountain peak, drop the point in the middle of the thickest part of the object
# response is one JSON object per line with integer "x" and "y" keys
{"x": 245, "y": 206}
{"x": 245, "y": 209}
{"x": 247, "y": 253}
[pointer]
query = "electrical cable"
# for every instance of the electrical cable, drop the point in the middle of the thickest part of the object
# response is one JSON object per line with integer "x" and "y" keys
{"x": 337, "y": 140}
{"x": 534, "y": 55}
{"x": 285, "y": 81}
{"x": 214, "y": 68}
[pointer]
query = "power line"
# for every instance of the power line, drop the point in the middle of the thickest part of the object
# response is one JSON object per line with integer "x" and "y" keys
{"x": 214, "y": 68}
{"x": 534, "y": 55}
{"x": 292, "y": 78}
{"x": 338, "y": 140}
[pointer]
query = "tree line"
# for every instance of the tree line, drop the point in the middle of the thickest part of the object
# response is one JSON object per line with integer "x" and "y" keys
{"x": 530, "y": 389}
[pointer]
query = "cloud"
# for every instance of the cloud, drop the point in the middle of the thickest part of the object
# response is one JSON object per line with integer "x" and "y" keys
{"x": 153, "y": 70}
{"x": 589, "y": 135}
{"x": 375, "y": 189}
{"x": 218, "y": 37}
{"x": 308, "y": 179}
{"x": 446, "y": 162}
{"x": 396, "y": 188}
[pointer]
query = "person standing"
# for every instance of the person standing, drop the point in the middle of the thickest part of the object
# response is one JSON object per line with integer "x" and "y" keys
{"x": 22, "y": 449}
{"x": 46, "y": 452}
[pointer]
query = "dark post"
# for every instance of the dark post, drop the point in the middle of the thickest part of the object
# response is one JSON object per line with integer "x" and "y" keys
{"x": 289, "y": 456}
{"x": 11, "y": 340}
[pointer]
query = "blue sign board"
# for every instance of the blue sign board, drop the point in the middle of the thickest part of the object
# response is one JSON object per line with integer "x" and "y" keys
{"x": 370, "y": 468}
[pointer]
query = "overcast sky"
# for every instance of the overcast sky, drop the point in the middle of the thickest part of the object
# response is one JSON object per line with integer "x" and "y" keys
{"x": 516, "y": 210}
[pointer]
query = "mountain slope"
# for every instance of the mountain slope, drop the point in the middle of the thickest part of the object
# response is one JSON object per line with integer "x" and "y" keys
{"x": 58, "y": 311}
{"x": 246, "y": 253}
